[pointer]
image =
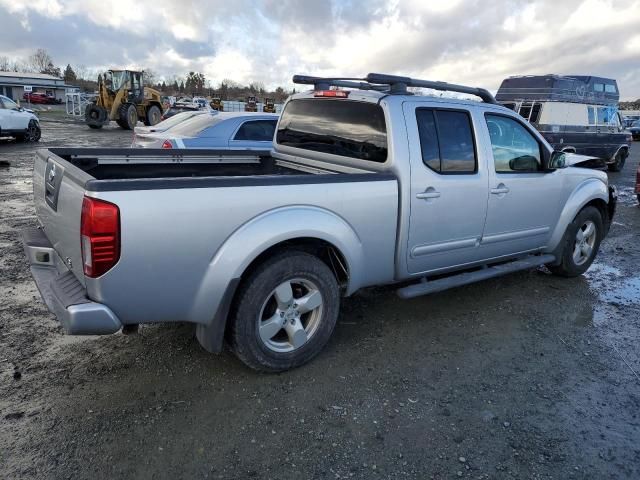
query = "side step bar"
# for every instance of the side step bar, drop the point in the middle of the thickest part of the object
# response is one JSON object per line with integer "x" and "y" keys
{"x": 457, "y": 280}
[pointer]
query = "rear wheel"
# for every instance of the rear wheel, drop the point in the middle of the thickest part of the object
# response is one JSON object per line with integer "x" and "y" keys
{"x": 153, "y": 115}
{"x": 284, "y": 313}
{"x": 618, "y": 162}
{"x": 581, "y": 243}
{"x": 127, "y": 116}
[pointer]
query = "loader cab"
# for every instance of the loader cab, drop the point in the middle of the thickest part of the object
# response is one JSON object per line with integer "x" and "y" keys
{"x": 118, "y": 79}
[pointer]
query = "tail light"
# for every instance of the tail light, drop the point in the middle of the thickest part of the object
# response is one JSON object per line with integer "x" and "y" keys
{"x": 100, "y": 236}
{"x": 167, "y": 144}
{"x": 332, "y": 93}
{"x": 637, "y": 181}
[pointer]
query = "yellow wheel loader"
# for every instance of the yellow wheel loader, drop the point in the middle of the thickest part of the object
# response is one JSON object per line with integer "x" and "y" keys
{"x": 123, "y": 97}
{"x": 251, "y": 105}
{"x": 269, "y": 106}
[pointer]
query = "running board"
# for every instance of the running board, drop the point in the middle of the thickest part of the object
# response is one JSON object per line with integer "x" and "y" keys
{"x": 425, "y": 287}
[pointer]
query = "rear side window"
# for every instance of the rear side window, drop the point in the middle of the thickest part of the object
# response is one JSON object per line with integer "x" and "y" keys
{"x": 609, "y": 88}
{"x": 446, "y": 140}
{"x": 339, "y": 127}
{"x": 256, "y": 131}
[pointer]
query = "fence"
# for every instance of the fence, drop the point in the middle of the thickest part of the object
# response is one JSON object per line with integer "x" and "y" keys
{"x": 76, "y": 103}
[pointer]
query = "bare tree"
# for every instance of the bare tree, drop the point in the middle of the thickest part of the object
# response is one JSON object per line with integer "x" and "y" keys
{"x": 40, "y": 61}
{"x": 149, "y": 77}
{"x": 5, "y": 64}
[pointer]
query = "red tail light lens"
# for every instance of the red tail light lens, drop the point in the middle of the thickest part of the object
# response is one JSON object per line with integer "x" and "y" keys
{"x": 167, "y": 144}
{"x": 332, "y": 93}
{"x": 100, "y": 236}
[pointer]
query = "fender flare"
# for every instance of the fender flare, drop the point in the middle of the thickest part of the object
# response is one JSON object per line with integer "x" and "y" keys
{"x": 589, "y": 190}
{"x": 259, "y": 234}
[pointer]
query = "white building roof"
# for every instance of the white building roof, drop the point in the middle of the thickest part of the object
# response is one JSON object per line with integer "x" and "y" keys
{"x": 25, "y": 75}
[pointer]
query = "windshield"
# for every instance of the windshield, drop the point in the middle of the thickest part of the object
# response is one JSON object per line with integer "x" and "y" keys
{"x": 8, "y": 103}
{"x": 193, "y": 126}
{"x": 176, "y": 119}
{"x": 118, "y": 79}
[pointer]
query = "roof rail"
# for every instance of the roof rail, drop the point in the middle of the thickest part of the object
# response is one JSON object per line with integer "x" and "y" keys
{"x": 392, "y": 84}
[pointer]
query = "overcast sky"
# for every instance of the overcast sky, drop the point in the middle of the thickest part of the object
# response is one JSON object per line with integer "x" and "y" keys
{"x": 462, "y": 41}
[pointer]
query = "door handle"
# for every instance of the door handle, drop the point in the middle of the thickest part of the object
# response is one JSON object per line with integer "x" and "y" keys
{"x": 500, "y": 189}
{"x": 430, "y": 193}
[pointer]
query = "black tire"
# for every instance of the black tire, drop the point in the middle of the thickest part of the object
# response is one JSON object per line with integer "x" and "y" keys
{"x": 127, "y": 116}
{"x": 618, "y": 162}
{"x": 32, "y": 134}
{"x": 257, "y": 298}
{"x": 568, "y": 266}
{"x": 153, "y": 115}
{"x": 95, "y": 116}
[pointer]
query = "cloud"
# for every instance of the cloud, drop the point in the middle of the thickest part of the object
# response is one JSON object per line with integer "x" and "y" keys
{"x": 462, "y": 41}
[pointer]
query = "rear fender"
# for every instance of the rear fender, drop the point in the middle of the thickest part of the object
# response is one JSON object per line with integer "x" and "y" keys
{"x": 587, "y": 191}
{"x": 263, "y": 232}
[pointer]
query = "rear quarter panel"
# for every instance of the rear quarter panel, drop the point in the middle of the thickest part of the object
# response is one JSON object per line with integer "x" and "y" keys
{"x": 172, "y": 267}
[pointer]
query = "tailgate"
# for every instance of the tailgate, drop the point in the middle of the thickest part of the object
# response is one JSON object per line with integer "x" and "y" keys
{"x": 58, "y": 191}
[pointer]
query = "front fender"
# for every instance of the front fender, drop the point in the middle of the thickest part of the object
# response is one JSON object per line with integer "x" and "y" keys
{"x": 587, "y": 191}
{"x": 264, "y": 231}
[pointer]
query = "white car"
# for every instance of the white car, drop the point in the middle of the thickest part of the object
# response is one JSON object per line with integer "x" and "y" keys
{"x": 16, "y": 122}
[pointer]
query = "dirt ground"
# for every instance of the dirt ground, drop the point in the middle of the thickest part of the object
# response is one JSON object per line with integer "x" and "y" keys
{"x": 529, "y": 376}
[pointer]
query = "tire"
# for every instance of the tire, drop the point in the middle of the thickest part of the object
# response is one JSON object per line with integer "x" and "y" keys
{"x": 95, "y": 116}
{"x": 618, "y": 162}
{"x": 127, "y": 116}
{"x": 268, "y": 330}
{"x": 153, "y": 115}
{"x": 32, "y": 134}
{"x": 580, "y": 248}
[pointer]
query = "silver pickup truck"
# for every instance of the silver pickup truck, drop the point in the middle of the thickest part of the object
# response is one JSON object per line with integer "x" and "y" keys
{"x": 367, "y": 184}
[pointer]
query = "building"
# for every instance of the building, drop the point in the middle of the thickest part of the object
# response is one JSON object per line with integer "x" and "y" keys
{"x": 12, "y": 85}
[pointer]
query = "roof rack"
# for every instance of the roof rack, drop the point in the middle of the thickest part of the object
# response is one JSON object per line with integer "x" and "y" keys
{"x": 392, "y": 84}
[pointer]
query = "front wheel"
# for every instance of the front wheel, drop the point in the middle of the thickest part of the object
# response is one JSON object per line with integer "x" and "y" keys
{"x": 32, "y": 134}
{"x": 284, "y": 313}
{"x": 581, "y": 243}
{"x": 618, "y": 162}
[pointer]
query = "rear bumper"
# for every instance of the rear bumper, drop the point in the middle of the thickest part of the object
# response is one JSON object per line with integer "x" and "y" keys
{"x": 65, "y": 297}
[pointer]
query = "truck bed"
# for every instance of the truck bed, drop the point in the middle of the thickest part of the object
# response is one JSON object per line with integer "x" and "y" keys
{"x": 125, "y": 164}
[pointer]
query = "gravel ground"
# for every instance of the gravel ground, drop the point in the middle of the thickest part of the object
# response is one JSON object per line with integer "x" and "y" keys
{"x": 528, "y": 376}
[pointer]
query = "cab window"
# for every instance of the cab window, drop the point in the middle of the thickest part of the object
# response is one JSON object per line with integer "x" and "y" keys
{"x": 446, "y": 141}
{"x": 515, "y": 149}
{"x": 256, "y": 131}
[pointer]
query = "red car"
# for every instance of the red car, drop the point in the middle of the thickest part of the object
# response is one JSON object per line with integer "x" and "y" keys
{"x": 38, "y": 97}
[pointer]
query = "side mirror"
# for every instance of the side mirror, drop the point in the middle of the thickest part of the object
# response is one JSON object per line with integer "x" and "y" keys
{"x": 557, "y": 160}
{"x": 525, "y": 163}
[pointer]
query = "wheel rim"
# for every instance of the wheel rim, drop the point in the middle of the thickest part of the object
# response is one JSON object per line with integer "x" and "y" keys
{"x": 585, "y": 242}
{"x": 290, "y": 315}
{"x": 133, "y": 116}
{"x": 31, "y": 132}
{"x": 155, "y": 116}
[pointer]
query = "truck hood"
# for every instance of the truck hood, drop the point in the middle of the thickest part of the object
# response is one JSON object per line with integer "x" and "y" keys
{"x": 584, "y": 161}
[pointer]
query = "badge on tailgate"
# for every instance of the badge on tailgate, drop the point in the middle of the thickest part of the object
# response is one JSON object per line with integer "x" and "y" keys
{"x": 52, "y": 180}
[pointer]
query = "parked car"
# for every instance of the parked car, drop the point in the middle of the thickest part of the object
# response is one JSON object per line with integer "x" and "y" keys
{"x": 169, "y": 122}
{"x": 17, "y": 122}
{"x": 634, "y": 129}
{"x": 637, "y": 189}
{"x": 40, "y": 98}
{"x": 201, "y": 102}
{"x": 368, "y": 186}
{"x": 574, "y": 113}
{"x": 219, "y": 130}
